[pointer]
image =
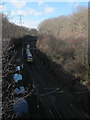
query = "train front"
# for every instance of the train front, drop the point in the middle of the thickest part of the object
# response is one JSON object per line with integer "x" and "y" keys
{"x": 29, "y": 59}
{"x": 29, "y": 55}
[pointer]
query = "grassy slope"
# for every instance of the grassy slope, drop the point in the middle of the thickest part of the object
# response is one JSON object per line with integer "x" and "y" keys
{"x": 65, "y": 41}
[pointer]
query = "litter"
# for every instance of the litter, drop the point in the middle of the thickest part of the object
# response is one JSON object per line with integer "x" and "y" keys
{"x": 20, "y": 106}
{"x": 17, "y": 91}
{"x": 17, "y": 77}
{"x": 18, "y": 68}
{"x": 21, "y": 90}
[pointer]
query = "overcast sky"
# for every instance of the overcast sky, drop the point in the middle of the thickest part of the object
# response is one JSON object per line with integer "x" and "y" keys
{"x": 32, "y": 13}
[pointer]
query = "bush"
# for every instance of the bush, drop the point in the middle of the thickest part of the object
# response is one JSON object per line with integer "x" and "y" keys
{"x": 65, "y": 40}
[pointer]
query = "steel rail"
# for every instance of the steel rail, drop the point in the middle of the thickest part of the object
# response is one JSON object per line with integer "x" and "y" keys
{"x": 37, "y": 92}
{"x": 82, "y": 114}
{"x": 52, "y": 107}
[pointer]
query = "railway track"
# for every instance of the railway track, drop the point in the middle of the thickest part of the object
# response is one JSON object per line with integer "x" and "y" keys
{"x": 58, "y": 106}
{"x": 71, "y": 110}
{"x": 48, "y": 104}
{"x": 51, "y": 106}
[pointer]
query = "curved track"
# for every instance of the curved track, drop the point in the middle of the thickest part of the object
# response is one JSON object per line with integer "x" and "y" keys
{"x": 57, "y": 105}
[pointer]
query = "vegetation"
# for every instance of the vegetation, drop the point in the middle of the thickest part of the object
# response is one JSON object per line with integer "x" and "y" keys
{"x": 65, "y": 40}
{"x": 10, "y": 30}
{"x": 12, "y": 36}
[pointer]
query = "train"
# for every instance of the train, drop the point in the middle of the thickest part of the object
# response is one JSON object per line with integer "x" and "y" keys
{"x": 29, "y": 54}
